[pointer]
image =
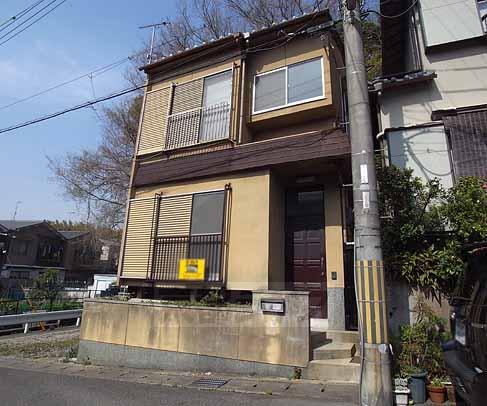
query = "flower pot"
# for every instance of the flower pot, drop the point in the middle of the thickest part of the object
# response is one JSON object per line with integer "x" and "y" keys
{"x": 417, "y": 384}
{"x": 437, "y": 395}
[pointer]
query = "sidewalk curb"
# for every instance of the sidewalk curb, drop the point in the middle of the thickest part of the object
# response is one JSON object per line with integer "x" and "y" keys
{"x": 270, "y": 386}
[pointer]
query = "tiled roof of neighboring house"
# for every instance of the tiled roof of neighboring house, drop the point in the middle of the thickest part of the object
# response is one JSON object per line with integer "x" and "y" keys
{"x": 18, "y": 224}
{"x": 13, "y": 225}
{"x": 306, "y": 18}
{"x": 69, "y": 235}
{"x": 401, "y": 79}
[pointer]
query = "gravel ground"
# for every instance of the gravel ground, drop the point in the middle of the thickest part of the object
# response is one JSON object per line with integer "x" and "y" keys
{"x": 46, "y": 344}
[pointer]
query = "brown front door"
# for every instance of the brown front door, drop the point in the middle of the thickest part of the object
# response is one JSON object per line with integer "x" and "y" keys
{"x": 305, "y": 255}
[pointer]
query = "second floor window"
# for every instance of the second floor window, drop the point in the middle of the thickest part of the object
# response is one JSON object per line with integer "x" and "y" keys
{"x": 200, "y": 111}
{"x": 290, "y": 85}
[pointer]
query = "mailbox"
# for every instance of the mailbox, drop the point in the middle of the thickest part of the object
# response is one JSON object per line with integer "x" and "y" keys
{"x": 272, "y": 306}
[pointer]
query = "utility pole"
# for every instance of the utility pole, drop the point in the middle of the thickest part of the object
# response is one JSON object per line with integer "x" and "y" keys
{"x": 375, "y": 385}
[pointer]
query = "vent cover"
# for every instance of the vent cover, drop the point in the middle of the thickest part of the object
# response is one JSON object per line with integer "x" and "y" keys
{"x": 209, "y": 383}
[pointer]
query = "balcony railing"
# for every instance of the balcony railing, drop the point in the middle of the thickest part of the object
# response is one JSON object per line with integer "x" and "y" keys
{"x": 193, "y": 127}
{"x": 168, "y": 251}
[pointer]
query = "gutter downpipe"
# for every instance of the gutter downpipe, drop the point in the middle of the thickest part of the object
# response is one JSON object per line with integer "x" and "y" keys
{"x": 242, "y": 93}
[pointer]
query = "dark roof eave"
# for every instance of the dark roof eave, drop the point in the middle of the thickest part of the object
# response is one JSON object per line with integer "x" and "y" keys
{"x": 236, "y": 39}
{"x": 230, "y": 40}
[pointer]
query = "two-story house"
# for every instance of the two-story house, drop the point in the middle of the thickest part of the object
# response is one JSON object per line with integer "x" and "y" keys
{"x": 239, "y": 172}
{"x": 432, "y": 99}
{"x": 28, "y": 248}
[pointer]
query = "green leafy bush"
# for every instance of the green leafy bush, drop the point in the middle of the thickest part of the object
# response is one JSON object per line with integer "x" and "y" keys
{"x": 418, "y": 348}
{"x": 425, "y": 228}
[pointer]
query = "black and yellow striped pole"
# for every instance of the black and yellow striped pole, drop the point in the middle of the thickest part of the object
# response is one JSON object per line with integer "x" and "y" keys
{"x": 371, "y": 299}
{"x": 376, "y": 380}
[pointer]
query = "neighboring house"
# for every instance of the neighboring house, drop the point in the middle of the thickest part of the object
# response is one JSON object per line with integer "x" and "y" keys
{"x": 32, "y": 247}
{"x": 87, "y": 255}
{"x": 239, "y": 170}
{"x": 432, "y": 99}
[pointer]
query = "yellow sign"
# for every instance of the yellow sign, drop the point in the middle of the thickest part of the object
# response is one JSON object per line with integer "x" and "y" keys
{"x": 192, "y": 269}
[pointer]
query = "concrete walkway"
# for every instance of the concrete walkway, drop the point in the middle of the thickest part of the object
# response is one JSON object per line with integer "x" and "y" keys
{"x": 330, "y": 393}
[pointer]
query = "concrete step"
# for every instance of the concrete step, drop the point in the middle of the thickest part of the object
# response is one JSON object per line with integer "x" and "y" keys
{"x": 343, "y": 336}
{"x": 318, "y": 338}
{"x": 334, "y": 350}
{"x": 337, "y": 370}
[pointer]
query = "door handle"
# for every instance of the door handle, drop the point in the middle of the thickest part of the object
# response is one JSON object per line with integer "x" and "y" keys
{"x": 322, "y": 263}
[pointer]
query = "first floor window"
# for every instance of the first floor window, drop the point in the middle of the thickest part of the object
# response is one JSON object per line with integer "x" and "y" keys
{"x": 207, "y": 213}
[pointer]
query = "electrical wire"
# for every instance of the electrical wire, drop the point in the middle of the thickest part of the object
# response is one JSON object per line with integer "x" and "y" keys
{"x": 33, "y": 22}
{"x": 9, "y": 21}
{"x": 74, "y": 108}
{"x": 108, "y": 97}
{"x": 27, "y": 20}
{"x": 93, "y": 73}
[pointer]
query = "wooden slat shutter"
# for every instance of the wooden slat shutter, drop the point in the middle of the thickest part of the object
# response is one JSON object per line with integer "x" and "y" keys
{"x": 137, "y": 249}
{"x": 188, "y": 96}
{"x": 154, "y": 121}
{"x": 175, "y": 216}
{"x": 184, "y": 123}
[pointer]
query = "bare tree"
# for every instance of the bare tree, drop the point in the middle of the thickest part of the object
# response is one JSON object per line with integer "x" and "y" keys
{"x": 98, "y": 179}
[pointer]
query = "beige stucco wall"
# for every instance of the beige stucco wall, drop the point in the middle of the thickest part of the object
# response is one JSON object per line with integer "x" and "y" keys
{"x": 245, "y": 334}
{"x": 333, "y": 234}
{"x": 277, "y": 217}
{"x": 248, "y": 236}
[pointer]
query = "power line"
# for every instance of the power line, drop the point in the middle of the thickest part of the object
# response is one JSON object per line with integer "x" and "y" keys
{"x": 74, "y": 108}
{"x": 9, "y": 21}
{"x": 93, "y": 74}
{"x": 110, "y": 96}
{"x": 33, "y": 22}
{"x": 27, "y": 20}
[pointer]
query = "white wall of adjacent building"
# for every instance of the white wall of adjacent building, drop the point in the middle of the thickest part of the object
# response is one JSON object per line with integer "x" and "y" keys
{"x": 461, "y": 69}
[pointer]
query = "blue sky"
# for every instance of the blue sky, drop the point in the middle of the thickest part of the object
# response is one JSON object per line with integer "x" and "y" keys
{"x": 79, "y": 36}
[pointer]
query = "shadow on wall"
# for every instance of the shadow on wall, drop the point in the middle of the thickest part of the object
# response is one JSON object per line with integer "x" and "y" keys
{"x": 397, "y": 305}
{"x": 407, "y": 105}
{"x": 425, "y": 150}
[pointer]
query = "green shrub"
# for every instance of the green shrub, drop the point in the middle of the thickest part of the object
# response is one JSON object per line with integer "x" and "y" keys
{"x": 418, "y": 348}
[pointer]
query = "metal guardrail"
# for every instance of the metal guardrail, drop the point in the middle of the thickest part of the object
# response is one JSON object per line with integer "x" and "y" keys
{"x": 168, "y": 251}
{"x": 28, "y": 318}
{"x": 193, "y": 127}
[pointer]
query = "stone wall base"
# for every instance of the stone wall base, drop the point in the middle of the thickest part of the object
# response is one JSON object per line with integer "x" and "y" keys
{"x": 137, "y": 357}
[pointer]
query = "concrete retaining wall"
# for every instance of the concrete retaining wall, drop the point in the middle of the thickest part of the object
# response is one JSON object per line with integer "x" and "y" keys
{"x": 118, "y": 331}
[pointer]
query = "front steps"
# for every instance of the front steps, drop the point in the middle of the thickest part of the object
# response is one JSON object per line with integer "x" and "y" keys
{"x": 336, "y": 370}
{"x": 334, "y": 350}
{"x": 334, "y": 354}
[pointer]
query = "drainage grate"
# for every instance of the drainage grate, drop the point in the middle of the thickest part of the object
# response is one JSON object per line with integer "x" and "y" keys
{"x": 210, "y": 383}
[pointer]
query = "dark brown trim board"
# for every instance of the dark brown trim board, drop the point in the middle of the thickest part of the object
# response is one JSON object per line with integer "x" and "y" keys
{"x": 247, "y": 156}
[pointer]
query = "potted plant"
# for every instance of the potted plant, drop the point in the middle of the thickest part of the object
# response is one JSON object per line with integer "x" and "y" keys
{"x": 437, "y": 390}
{"x": 419, "y": 351}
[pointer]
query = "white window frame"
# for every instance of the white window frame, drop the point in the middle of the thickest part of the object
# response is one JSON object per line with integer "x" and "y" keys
{"x": 286, "y": 68}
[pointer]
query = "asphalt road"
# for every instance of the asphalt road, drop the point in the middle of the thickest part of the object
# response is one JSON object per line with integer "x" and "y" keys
{"x": 37, "y": 388}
